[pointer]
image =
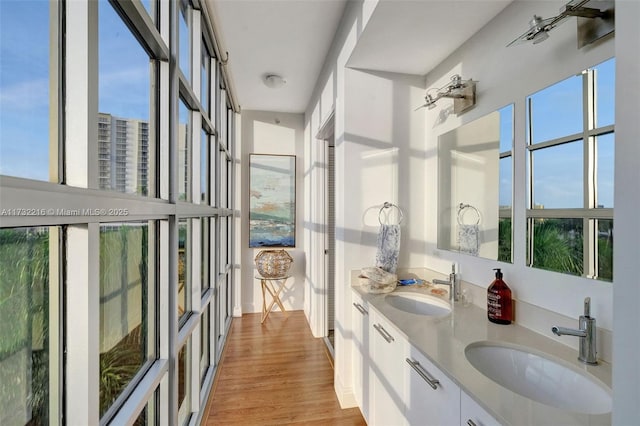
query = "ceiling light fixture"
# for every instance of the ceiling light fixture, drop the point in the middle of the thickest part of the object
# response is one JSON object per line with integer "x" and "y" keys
{"x": 273, "y": 81}
{"x": 463, "y": 93}
{"x": 593, "y": 23}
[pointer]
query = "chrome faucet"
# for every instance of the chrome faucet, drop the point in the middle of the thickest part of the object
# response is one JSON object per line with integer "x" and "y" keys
{"x": 454, "y": 291}
{"x": 586, "y": 332}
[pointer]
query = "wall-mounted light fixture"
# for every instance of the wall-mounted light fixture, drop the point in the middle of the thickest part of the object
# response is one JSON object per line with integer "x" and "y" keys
{"x": 273, "y": 81}
{"x": 593, "y": 22}
{"x": 463, "y": 93}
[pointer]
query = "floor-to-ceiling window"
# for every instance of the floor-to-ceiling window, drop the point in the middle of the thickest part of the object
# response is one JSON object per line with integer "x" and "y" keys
{"x": 116, "y": 165}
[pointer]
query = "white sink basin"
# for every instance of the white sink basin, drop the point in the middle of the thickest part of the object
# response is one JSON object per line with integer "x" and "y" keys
{"x": 420, "y": 304}
{"x": 540, "y": 377}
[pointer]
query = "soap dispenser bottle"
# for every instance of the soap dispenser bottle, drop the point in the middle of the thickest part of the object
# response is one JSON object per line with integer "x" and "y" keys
{"x": 499, "y": 302}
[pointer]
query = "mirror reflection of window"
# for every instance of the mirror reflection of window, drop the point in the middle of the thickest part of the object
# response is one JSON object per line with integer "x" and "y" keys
{"x": 505, "y": 197}
{"x": 570, "y": 130}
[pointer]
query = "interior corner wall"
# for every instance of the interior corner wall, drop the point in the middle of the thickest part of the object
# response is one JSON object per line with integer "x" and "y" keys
{"x": 507, "y": 75}
{"x": 382, "y": 155}
{"x": 273, "y": 133}
{"x": 626, "y": 288}
{"x": 328, "y": 96}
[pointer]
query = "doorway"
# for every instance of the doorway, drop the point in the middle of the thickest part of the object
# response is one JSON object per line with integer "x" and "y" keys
{"x": 330, "y": 240}
{"x": 326, "y": 202}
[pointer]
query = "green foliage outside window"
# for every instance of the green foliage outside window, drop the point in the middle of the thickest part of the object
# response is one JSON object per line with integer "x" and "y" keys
{"x": 123, "y": 294}
{"x": 504, "y": 240}
{"x": 557, "y": 245}
{"x": 24, "y": 326}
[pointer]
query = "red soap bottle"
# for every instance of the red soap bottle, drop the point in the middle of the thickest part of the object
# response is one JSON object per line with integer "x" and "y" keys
{"x": 499, "y": 302}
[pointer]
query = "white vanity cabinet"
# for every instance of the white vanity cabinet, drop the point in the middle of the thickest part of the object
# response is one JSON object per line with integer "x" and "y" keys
{"x": 388, "y": 349}
{"x": 395, "y": 384}
{"x": 472, "y": 414}
{"x": 431, "y": 397}
{"x": 360, "y": 353}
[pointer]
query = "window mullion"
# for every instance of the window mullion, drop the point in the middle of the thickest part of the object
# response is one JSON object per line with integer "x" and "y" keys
{"x": 595, "y": 255}
{"x": 529, "y": 152}
{"x": 56, "y": 100}
{"x": 170, "y": 396}
{"x": 82, "y": 295}
{"x": 82, "y": 302}
{"x": 589, "y": 157}
{"x": 56, "y": 331}
{"x": 589, "y": 170}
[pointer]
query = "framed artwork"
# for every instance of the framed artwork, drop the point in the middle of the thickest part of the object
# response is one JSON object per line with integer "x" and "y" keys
{"x": 272, "y": 200}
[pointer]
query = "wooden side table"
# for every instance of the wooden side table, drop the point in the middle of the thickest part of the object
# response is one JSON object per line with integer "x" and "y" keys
{"x": 274, "y": 287}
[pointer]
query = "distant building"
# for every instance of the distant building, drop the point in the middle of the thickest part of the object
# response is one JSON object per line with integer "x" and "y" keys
{"x": 183, "y": 162}
{"x": 123, "y": 154}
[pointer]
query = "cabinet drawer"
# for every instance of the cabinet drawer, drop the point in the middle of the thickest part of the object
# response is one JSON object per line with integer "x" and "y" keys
{"x": 432, "y": 398}
{"x": 388, "y": 351}
{"x": 472, "y": 414}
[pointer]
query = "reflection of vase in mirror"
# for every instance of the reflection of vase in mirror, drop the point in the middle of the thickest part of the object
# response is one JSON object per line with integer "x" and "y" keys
{"x": 475, "y": 187}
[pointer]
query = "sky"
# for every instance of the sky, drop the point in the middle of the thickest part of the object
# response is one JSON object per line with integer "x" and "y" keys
{"x": 124, "y": 81}
{"x": 24, "y": 89}
{"x": 124, "y": 91}
{"x": 557, "y": 112}
{"x": 505, "y": 195}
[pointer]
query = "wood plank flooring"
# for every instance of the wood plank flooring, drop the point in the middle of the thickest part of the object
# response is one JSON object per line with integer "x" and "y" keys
{"x": 275, "y": 373}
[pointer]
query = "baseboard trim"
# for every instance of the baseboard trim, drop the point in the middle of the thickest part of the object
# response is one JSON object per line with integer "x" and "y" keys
{"x": 346, "y": 396}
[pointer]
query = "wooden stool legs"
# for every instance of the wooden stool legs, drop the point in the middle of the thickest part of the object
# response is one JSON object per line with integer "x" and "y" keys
{"x": 274, "y": 289}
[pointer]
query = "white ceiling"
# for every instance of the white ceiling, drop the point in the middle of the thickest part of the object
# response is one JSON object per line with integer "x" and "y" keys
{"x": 292, "y": 38}
{"x": 285, "y": 37}
{"x": 412, "y": 37}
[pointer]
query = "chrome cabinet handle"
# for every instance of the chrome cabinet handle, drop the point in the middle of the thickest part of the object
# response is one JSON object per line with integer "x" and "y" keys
{"x": 359, "y": 307}
{"x": 423, "y": 373}
{"x": 471, "y": 423}
{"x": 389, "y": 338}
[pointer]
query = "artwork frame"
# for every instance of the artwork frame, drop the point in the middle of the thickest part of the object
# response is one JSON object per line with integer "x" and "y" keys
{"x": 272, "y": 201}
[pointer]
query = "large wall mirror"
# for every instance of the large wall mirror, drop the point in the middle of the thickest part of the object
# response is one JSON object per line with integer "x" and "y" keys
{"x": 475, "y": 191}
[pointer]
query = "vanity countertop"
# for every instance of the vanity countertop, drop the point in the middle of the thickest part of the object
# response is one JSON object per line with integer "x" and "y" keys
{"x": 443, "y": 341}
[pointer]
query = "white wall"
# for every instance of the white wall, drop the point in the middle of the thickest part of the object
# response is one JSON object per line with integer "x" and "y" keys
{"x": 626, "y": 290}
{"x": 509, "y": 75}
{"x": 278, "y": 134}
{"x": 329, "y": 96}
{"x": 382, "y": 160}
{"x": 379, "y": 150}
{"x": 367, "y": 128}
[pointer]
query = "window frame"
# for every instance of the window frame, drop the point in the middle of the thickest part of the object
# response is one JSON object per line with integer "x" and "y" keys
{"x": 76, "y": 191}
{"x": 589, "y": 212}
